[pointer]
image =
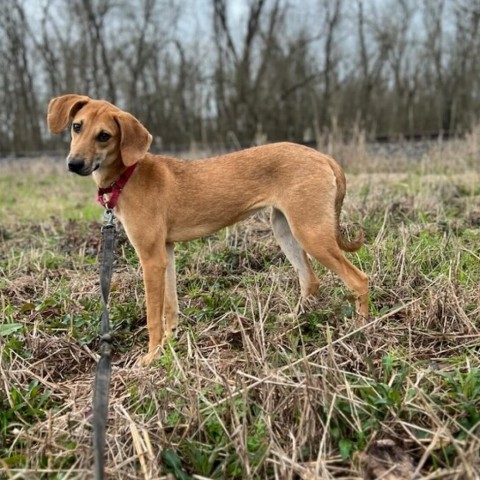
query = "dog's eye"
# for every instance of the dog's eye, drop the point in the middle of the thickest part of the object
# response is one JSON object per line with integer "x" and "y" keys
{"x": 76, "y": 127}
{"x": 103, "y": 137}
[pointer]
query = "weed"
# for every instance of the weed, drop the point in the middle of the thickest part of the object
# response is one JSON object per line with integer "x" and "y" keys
{"x": 256, "y": 384}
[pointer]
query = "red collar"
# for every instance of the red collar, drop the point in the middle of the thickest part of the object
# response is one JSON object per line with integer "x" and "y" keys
{"x": 115, "y": 188}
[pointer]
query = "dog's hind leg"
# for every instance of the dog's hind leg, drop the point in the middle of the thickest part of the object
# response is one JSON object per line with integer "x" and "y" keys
{"x": 293, "y": 251}
{"x": 320, "y": 242}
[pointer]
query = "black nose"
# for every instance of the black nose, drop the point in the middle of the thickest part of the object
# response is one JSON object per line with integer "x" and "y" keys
{"x": 75, "y": 164}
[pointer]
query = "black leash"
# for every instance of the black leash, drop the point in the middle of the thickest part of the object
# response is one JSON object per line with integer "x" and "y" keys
{"x": 104, "y": 366}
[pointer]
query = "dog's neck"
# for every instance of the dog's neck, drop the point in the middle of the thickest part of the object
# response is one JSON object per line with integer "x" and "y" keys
{"x": 104, "y": 177}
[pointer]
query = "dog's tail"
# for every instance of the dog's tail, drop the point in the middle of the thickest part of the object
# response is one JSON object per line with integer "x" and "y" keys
{"x": 343, "y": 243}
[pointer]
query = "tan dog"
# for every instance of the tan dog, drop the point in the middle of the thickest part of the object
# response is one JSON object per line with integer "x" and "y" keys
{"x": 168, "y": 200}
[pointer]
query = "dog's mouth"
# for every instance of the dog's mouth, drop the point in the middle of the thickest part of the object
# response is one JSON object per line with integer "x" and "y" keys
{"x": 84, "y": 173}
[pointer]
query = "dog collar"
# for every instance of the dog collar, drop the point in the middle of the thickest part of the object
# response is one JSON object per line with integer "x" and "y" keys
{"x": 115, "y": 188}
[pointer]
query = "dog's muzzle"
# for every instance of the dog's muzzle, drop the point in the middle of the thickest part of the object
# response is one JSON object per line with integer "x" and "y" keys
{"x": 78, "y": 166}
{"x": 75, "y": 164}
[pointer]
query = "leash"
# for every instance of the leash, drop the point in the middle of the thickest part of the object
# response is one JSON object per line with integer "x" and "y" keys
{"x": 104, "y": 365}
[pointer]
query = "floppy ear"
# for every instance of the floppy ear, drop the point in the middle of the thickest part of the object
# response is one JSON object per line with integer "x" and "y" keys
{"x": 62, "y": 109}
{"x": 135, "y": 139}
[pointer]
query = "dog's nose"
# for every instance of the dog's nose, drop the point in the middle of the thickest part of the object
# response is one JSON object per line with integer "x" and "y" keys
{"x": 75, "y": 164}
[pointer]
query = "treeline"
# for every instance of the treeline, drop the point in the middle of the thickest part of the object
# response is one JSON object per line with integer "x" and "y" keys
{"x": 239, "y": 72}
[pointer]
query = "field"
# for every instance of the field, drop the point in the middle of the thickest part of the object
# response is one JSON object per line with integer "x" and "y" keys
{"x": 256, "y": 385}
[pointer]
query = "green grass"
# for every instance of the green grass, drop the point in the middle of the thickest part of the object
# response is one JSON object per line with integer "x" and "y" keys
{"x": 256, "y": 385}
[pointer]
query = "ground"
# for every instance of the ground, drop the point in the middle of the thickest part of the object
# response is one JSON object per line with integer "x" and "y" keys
{"x": 256, "y": 384}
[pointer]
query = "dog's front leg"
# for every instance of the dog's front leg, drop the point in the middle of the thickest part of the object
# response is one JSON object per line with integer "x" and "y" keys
{"x": 171, "y": 301}
{"x": 154, "y": 265}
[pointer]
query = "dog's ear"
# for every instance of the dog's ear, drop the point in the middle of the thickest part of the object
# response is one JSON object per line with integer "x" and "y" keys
{"x": 135, "y": 139}
{"x": 62, "y": 109}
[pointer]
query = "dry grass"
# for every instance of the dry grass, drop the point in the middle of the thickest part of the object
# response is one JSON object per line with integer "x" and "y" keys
{"x": 256, "y": 385}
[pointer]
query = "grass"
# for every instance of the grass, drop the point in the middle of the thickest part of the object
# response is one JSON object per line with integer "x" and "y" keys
{"x": 255, "y": 385}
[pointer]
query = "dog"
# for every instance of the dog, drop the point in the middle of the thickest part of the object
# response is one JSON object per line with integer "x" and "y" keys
{"x": 162, "y": 200}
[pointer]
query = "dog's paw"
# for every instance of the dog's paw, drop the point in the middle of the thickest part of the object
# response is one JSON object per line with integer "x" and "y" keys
{"x": 361, "y": 306}
{"x": 150, "y": 357}
{"x": 360, "y": 321}
{"x": 171, "y": 331}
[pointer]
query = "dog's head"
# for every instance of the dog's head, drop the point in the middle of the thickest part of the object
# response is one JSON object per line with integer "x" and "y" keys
{"x": 101, "y": 133}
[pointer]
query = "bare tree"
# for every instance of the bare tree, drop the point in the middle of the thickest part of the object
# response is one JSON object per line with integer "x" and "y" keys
{"x": 93, "y": 15}
{"x": 234, "y": 63}
{"x": 20, "y": 100}
{"x": 372, "y": 57}
{"x": 331, "y": 22}
{"x": 393, "y": 67}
